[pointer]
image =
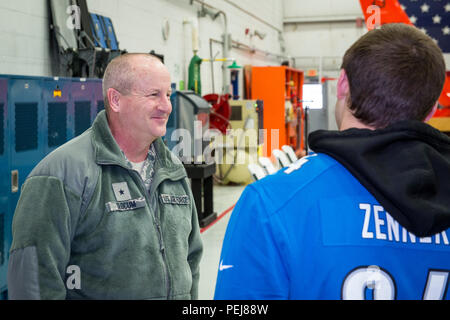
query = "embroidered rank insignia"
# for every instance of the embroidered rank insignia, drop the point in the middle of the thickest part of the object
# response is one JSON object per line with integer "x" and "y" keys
{"x": 175, "y": 199}
{"x": 121, "y": 191}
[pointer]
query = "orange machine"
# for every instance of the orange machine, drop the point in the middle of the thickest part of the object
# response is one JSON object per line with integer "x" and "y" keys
{"x": 280, "y": 87}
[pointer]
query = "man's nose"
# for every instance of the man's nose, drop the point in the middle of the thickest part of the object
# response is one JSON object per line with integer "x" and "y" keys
{"x": 166, "y": 104}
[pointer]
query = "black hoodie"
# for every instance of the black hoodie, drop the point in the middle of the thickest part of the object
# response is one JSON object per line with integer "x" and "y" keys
{"x": 405, "y": 166}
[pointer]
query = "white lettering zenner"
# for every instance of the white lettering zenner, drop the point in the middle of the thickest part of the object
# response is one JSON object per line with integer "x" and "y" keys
{"x": 375, "y": 226}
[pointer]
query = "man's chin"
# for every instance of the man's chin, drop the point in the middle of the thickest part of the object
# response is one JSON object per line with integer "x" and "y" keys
{"x": 159, "y": 133}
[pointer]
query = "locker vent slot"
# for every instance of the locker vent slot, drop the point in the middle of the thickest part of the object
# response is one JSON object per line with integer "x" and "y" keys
{"x": 26, "y": 126}
{"x": 57, "y": 124}
{"x": 2, "y": 129}
{"x": 100, "y": 105}
{"x": 82, "y": 116}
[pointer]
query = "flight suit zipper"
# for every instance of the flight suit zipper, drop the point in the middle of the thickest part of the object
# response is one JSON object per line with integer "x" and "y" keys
{"x": 166, "y": 267}
{"x": 153, "y": 188}
{"x": 156, "y": 223}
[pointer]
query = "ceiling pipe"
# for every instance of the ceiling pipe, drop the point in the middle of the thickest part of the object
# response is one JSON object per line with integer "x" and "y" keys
{"x": 226, "y": 40}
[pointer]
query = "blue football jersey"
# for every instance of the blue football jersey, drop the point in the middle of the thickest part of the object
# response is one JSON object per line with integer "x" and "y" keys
{"x": 312, "y": 231}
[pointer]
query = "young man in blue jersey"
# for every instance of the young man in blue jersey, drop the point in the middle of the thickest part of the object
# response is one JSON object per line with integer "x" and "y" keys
{"x": 367, "y": 215}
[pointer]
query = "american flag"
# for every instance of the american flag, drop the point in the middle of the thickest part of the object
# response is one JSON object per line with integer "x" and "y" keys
{"x": 432, "y": 17}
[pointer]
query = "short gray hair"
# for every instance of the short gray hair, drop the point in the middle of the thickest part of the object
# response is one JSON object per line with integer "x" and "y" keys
{"x": 120, "y": 74}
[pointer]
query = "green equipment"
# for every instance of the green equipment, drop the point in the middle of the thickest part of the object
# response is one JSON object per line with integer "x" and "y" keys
{"x": 194, "y": 81}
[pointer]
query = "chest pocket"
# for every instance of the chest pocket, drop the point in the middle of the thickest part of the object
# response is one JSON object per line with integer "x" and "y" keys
{"x": 176, "y": 208}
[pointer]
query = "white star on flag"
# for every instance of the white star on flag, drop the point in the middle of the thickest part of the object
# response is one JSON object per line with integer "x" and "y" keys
{"x": 425, "y": 7}
{"x": 446, "y": 30}
{"x": 436, "y": 19}
{"x": 431, "y": 17}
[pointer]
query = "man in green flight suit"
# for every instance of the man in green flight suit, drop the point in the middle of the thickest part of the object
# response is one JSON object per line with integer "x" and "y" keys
{"x": 110, "y": 214}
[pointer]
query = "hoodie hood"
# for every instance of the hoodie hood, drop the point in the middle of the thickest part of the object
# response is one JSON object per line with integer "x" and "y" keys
{"x": 405, "y": 166}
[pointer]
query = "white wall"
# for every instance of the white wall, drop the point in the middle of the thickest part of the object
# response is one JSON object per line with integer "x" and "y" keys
{"x": 318, "y": 32}
{"x": 322, "y": 28}
{"x": 316, "y": 44}
{"x": 321, "y": 9}
{"x": 138, "y": 23}
{"x": 24, "y": 37}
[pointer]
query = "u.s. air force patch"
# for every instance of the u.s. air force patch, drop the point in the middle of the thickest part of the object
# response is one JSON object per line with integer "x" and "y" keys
{"x": 174, "y": 199}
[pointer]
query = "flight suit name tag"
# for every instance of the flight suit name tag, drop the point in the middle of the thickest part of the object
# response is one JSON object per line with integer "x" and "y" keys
{"x": 126, "y": 205}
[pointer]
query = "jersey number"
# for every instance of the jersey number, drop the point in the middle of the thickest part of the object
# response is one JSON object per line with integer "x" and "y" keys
{"x": 382, "y": 284}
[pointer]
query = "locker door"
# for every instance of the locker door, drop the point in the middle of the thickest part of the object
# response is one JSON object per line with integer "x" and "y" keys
{"x": 81, "y": 106}
{"x": 56, "y": 101}
{"x": 5, "y": 186}
{"x": 99, "y": 105}
{"x": 27, "y": 131}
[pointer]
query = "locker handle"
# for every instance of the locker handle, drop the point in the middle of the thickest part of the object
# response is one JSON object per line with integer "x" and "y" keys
{"x": 14, "y": 181}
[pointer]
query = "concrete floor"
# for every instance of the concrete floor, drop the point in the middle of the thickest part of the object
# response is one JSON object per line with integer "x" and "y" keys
{"x": 224, "y": 198}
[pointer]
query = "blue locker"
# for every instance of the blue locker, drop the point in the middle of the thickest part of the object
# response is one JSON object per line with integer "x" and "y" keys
{"x": 56, "y": 97}
{"x": 37, "y": 115}
{"x": 27, "y": 132}
{"x": 5, "y": 187}
{"x": 97, "y": 90}
{"x": 81, "y": 105}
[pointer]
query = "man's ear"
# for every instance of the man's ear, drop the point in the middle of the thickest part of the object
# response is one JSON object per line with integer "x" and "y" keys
{"x": 432, "y": 112}
{"x": 343, "y": 86}
{"x": 113, "y": 99}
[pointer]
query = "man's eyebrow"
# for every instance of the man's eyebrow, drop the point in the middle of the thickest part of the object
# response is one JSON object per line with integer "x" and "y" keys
{"x": 155, "y": 90}
{"x": 150, "y": 91}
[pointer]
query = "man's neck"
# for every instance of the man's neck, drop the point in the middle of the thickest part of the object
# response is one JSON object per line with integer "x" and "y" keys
{"x": 135, "y": 149}
{"x": 349, "y": 121}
